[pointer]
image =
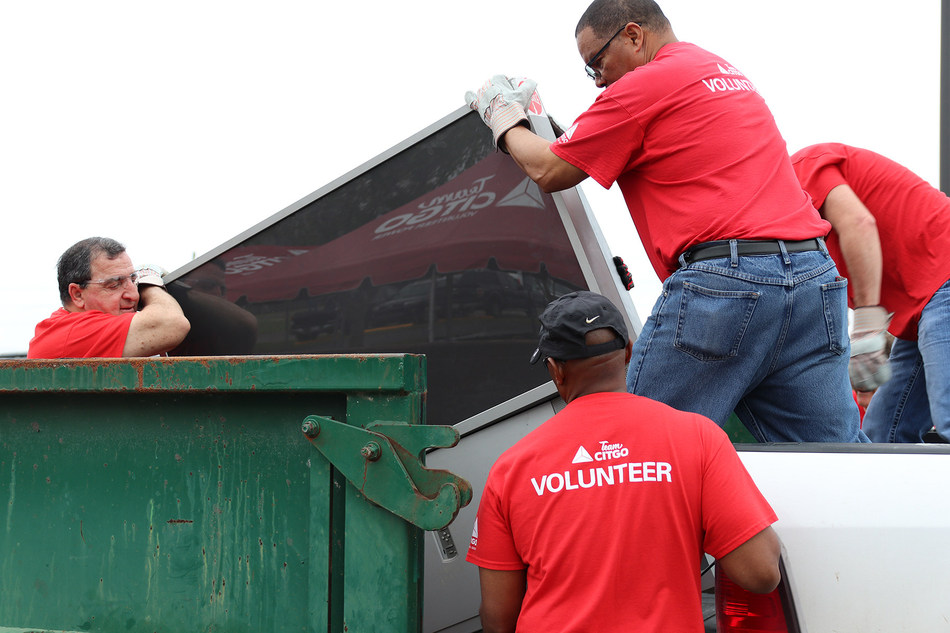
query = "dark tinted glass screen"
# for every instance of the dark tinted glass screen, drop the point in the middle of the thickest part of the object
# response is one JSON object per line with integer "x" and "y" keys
{"x": 445, "y": 249}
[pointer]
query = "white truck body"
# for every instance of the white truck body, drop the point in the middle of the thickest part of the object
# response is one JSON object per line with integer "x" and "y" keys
{"x": 865, "y": 533}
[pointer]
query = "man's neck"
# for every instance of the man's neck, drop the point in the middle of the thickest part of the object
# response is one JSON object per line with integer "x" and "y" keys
{"x": 653, "y": 44}
{"x": 579, "y": 391}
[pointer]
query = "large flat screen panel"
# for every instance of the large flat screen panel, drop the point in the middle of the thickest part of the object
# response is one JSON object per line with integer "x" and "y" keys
{"x": 444, "y": 248}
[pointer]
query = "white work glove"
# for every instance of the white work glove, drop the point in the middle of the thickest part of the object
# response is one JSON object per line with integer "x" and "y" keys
{"x": 869, "y": 367}
{"x": 522, "y": 89}
{"x": 150, "y": 276}
{"x": 501, "y": 105}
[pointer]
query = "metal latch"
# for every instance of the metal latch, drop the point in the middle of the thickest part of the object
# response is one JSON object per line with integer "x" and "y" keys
{"x": 384, "y": 462}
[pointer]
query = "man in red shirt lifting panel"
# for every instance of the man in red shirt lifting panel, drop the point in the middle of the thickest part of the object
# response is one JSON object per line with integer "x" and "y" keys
{"x": 753, "y": 315}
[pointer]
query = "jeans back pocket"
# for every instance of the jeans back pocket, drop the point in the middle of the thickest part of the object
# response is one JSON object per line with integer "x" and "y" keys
{"x": 834, "y": 299}
{"x": 711, "y": 323}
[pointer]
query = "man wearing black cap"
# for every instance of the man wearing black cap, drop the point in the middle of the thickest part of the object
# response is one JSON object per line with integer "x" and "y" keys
{"x": 598, "y": 519}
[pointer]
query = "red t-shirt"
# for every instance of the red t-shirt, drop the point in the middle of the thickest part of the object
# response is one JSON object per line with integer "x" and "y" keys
{"x": 696, "y": 153}
{"x": 913, "y": 219}
{"x": 80, "y": 335}
{"x": 609, "y": 505}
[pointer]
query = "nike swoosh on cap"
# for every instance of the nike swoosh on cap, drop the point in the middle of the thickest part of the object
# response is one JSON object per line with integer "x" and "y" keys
{"x": 591, "y": 320}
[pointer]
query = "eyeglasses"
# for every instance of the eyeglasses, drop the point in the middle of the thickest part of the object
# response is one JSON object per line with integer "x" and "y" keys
{"x": 112, "y": 283}
{"x": 592, "y": 72}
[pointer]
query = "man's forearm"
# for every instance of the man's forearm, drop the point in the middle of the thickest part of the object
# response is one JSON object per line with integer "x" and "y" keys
{"x": 862, "y": 254}
{"x": 860, "y": 244}
{"x": 534, "y": 156}
{"x": 158, "y": 327}
{"x": 502, "y": 594}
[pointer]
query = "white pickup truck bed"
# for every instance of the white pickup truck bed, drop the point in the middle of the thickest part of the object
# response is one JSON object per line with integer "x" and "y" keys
{"x": 865, "y": 533}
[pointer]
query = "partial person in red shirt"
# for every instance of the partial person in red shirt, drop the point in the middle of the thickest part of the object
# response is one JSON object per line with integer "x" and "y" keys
{"x": 109, "y": 308}
{"x": 598, "y": 519}
{"x": 891, "y": 238}
{"x": 753, "y": 314}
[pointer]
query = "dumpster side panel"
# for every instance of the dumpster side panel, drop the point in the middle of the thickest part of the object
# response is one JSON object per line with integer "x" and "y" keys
{"x": 182, "y": 515}
{"x": 397, "y": 584}
{"x": 183, "y": 496}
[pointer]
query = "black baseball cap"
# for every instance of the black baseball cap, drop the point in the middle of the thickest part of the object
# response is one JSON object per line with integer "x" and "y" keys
{"x": 566, "y": 321}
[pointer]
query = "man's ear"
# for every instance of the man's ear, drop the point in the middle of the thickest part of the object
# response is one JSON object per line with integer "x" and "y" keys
{"x": 75, "y": 295}
{"x": 635, "y": 32}
{"x": 555, "y": 370}
{"x": 628, "y": 352}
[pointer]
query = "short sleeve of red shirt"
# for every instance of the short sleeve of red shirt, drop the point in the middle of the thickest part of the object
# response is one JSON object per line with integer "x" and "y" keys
{"x": 90, "y": 334}
{"x": 497, "y": 549}
{"x": 819, "y": 172}
{"x": 607, "y": 136}
{"x": 733, "y": 508}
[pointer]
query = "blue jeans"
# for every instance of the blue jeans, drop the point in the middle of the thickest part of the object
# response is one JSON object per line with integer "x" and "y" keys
{"x": 765, "y": 336}
{"x": 917, "y": 397}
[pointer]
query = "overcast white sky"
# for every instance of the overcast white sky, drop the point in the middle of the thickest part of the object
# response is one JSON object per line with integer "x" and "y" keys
{"x": 174, "y": 126}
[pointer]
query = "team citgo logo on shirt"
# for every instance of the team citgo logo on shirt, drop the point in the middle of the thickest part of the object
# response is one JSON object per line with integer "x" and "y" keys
{"x": 568, "y": 133}
{"x": 732, "y": 79}
{"x": 606, "y": 451}
{"x": 612, "y": 470}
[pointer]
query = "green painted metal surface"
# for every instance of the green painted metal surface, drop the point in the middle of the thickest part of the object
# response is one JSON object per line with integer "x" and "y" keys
{"x": 180, "y": 495}
{"x": 384, "y": 463}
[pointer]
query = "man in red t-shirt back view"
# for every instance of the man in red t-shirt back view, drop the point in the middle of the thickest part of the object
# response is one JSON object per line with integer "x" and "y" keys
{"x": 598, "y": 519}
{"x": 101, "y": 293}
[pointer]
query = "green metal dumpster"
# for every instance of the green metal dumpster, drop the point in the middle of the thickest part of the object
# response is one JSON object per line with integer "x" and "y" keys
{"x": 194, "y": 494}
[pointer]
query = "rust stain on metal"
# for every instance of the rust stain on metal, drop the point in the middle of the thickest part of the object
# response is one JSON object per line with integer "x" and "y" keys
{"x": 24, "y": 363}
{"x": 365, "y": 470}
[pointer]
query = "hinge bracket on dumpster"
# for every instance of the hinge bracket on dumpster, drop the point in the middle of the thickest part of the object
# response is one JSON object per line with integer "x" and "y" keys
{"x": 384, "y": 462}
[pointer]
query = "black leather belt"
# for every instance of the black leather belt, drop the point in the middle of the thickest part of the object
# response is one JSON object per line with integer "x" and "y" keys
{"x": 720, "y": 248}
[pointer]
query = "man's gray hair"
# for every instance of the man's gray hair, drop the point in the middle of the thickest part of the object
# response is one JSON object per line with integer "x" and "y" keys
{"x": 604, "y": 17}
{"x": 75, "y": 265}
